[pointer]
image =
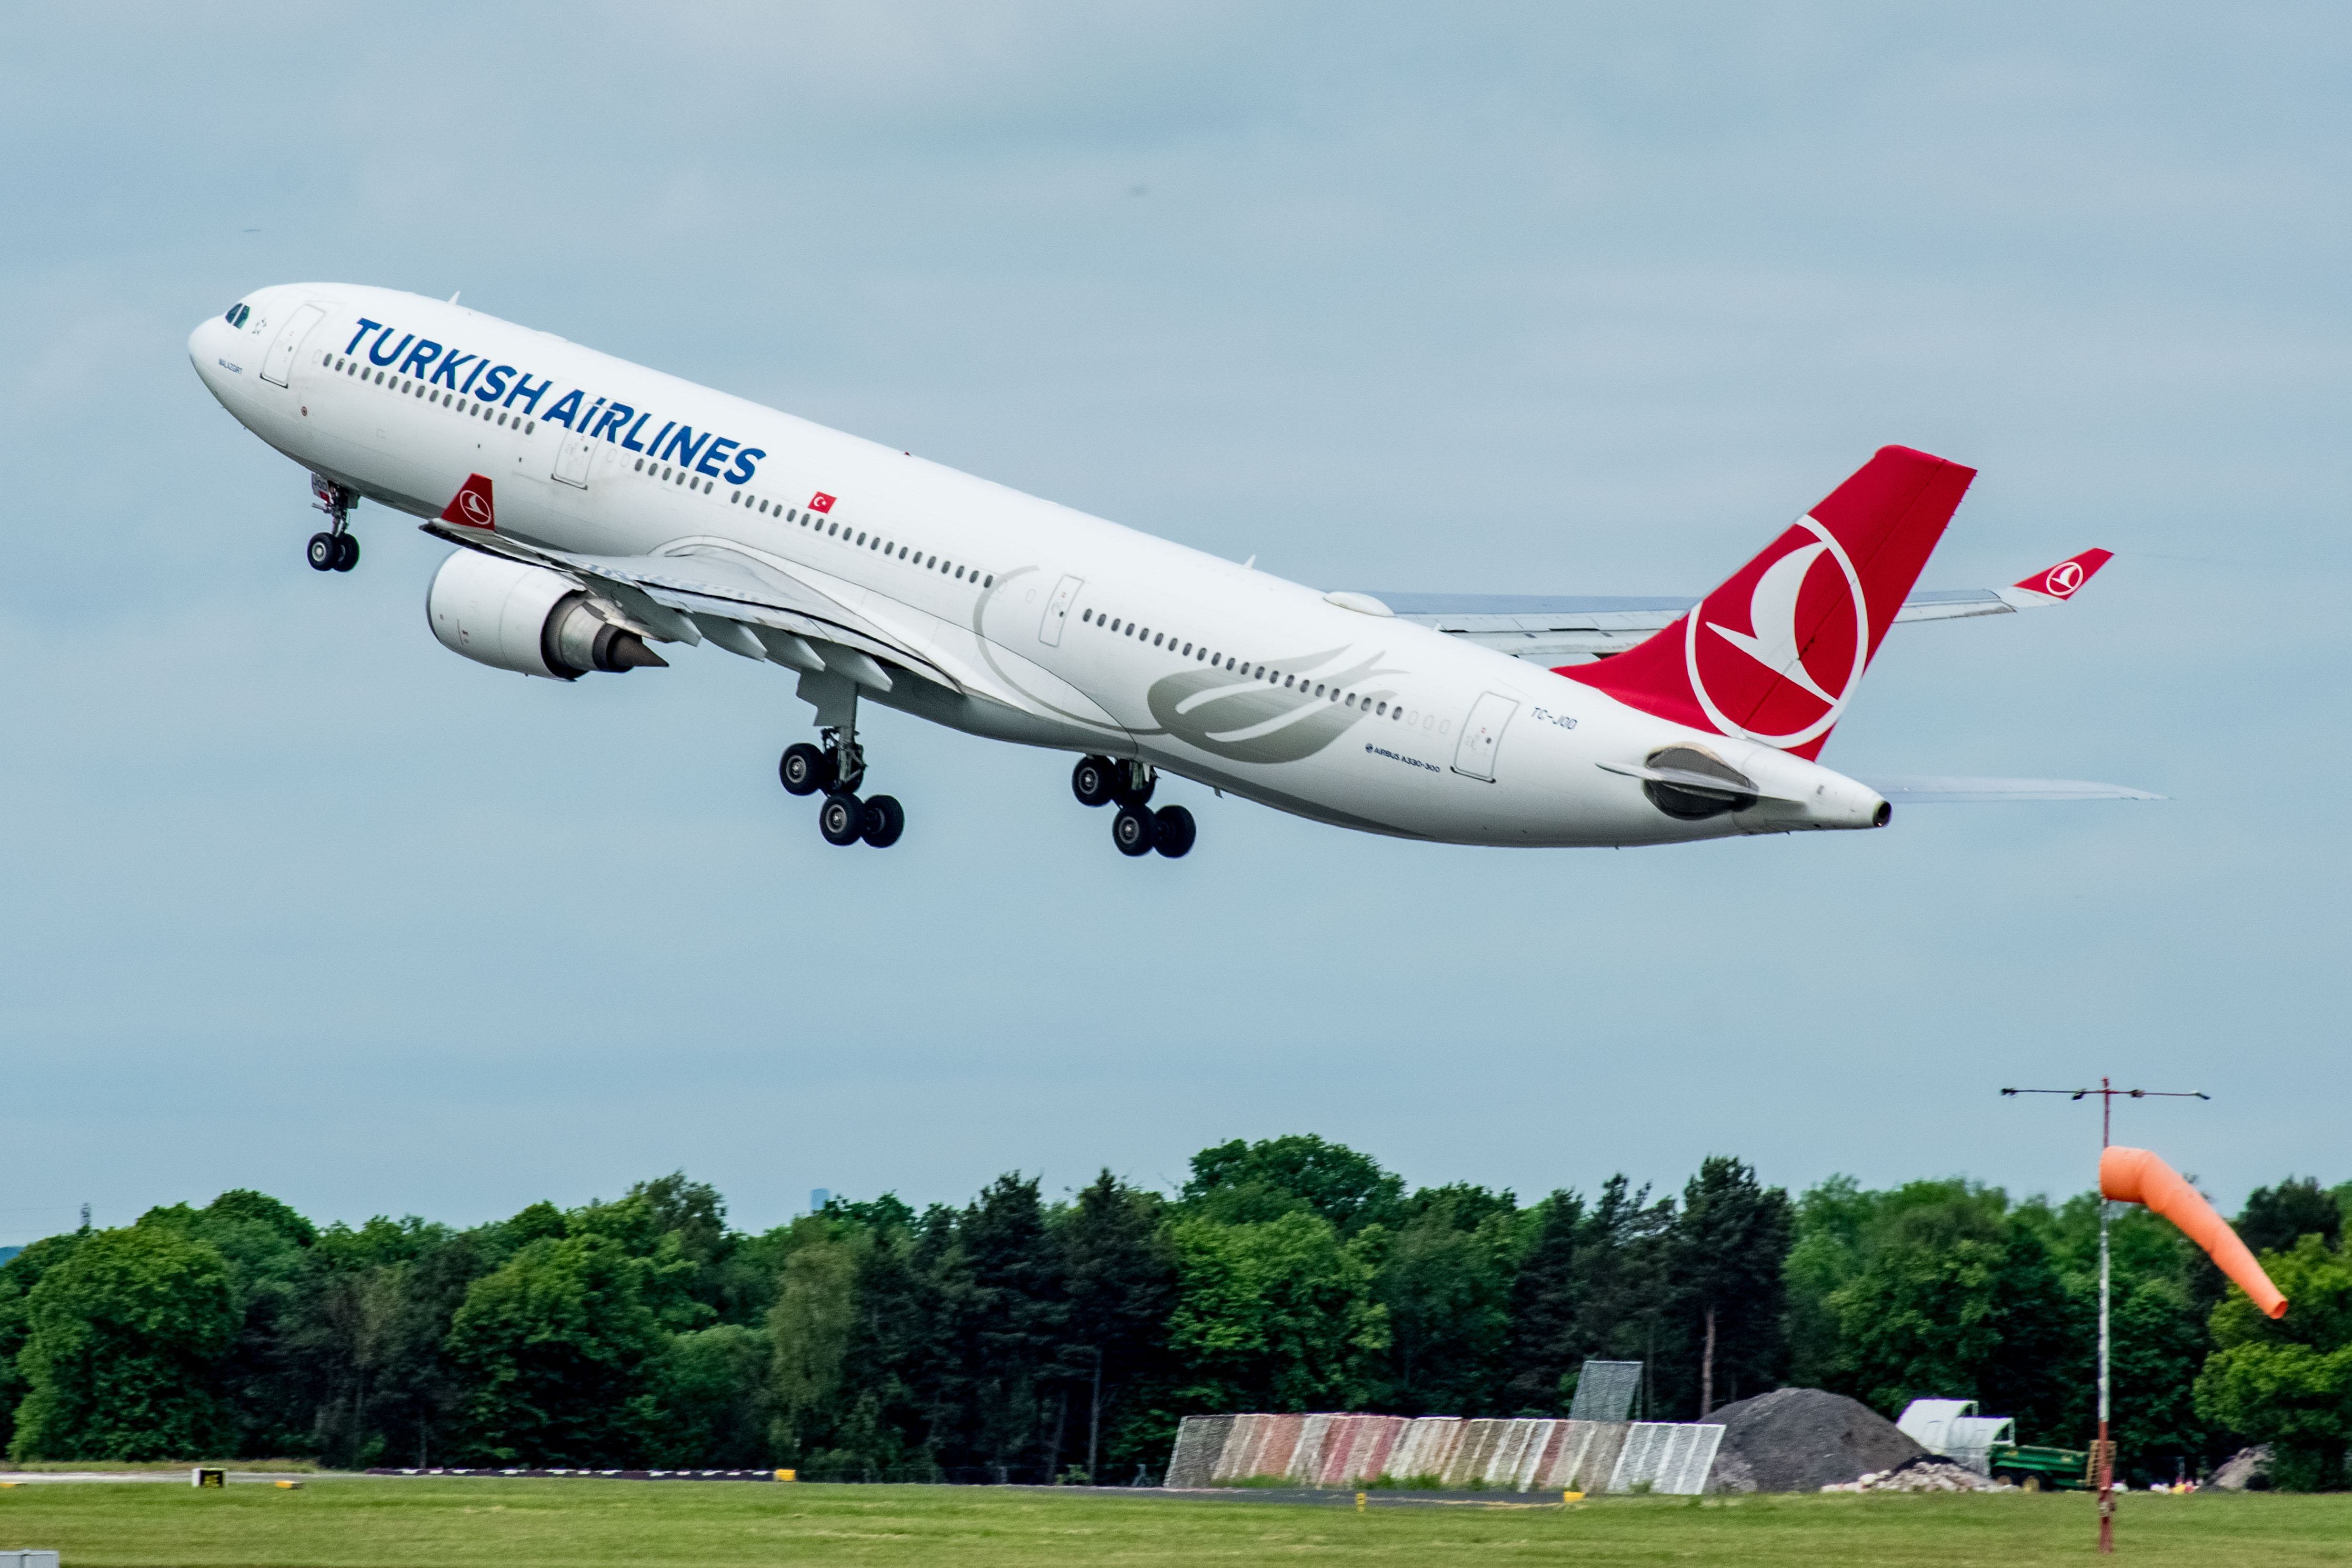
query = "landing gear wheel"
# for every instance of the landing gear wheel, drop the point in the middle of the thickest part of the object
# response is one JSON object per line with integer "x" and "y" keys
{"x": 323, "y": 551}
{"x": 1172, "y": 831}
{"x": 884, "y": 821}
{"x": 347, "y": 551}
{"x": 803, "y": 770}
{"x": 1133, "y": 830}
{"x": 1133, "y": 783}
{"x": 841, "y": 818}
{"x": 1095, "y": 780}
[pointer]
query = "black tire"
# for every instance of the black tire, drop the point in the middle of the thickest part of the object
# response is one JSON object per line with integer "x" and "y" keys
{"x": 322, "y": 552}
{"x": 884, "y": 820}
{"x": 1095, "y": 780}
{"x": 803, "y": 770}
{"x": 347, "y": 553}
{"x": 1133, "y": 830}
{"x": 841, "y": 818}
{"x": 1126, "y": 791}
{"x": 1172, "y": 831}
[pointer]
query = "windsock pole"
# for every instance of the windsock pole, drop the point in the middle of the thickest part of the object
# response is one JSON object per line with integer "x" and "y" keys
{"x": 2105, "y": 1448}
{"x": 2107, "y": 1444}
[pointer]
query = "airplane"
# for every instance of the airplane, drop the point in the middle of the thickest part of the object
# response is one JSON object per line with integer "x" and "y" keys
{"x": 600, "y": 510}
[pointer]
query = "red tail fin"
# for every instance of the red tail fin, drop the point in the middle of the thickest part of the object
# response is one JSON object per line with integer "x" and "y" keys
{"x": 1775, "y": 653}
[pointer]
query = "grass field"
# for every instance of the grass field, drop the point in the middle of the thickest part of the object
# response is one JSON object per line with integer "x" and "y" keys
{"x": 358, "y": 1523}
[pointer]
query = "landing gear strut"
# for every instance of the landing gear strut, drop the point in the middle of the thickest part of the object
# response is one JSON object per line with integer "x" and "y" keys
{"x": 336, "y": 550}
{"x": 1135, "y": 829}
{"x": 838, "y": 768}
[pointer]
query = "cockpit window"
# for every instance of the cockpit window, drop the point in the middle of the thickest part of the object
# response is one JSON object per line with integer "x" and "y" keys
{"x": 237, "y": 315}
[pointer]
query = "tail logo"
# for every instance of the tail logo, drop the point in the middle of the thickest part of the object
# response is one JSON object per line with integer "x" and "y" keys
{"x": 1785, "y": 679}
{"x": 2062, "y": 580}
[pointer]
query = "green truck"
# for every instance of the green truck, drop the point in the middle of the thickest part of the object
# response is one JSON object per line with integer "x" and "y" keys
{"x": 2025, "y": 1464}
{"x": 1988, "y": 1445}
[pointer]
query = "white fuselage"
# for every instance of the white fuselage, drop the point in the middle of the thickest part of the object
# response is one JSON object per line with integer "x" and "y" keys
{"x": 1063, "y": 630}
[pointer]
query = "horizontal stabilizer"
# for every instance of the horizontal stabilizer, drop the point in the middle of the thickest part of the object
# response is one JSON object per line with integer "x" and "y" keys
{"x": 1926, "y": 789}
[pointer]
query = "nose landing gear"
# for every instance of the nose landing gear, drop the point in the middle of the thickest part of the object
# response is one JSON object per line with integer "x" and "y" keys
{"x": 1135, "y": 829}
{"x": 336, "y": 550}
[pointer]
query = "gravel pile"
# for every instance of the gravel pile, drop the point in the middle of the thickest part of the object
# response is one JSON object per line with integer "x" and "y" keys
{"x": 1803, "y": 1439}
{"x": 2242, "y": 1469}
{"x": 1922, "y": 1474}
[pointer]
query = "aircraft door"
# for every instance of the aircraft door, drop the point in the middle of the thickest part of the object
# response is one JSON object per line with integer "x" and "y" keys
{"x": 1057, "y": 611}
{"x": 1482, "y": 733}
{"x": 277, "y": 365}
{"x": 572, "y": 459}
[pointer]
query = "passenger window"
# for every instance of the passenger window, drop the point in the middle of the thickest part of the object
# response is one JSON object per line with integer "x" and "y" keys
{"x": 988, "y": 581}
{"x": 1381, "y": 711}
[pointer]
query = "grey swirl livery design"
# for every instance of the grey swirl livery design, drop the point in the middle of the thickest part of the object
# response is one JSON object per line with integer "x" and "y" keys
{"x": 1247, "y": 720}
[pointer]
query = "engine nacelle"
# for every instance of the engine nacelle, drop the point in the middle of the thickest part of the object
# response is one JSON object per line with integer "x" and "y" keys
{"x": 511, "y": 616}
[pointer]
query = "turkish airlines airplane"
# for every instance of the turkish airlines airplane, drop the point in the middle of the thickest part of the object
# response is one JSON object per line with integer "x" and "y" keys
{"x": 600, "y": 508}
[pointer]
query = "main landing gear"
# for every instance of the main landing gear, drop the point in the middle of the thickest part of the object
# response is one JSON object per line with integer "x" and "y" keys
{"x": 1135, "y": 829}
{"x": 337, "y": 549}
{"x": 838, "y": 768}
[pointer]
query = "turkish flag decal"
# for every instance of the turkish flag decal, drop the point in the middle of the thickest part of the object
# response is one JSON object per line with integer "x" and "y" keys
{"x": 820, "y": 502}
{"x": 472, "y": 505}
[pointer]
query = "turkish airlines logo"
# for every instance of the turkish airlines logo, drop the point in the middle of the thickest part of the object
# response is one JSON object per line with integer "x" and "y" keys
{"x": 471, "y": 505}
{"x": 1774, "y": 654}
{"x": 2062, "y": 580}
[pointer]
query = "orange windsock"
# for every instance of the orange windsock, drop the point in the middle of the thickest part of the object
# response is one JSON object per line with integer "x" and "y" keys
{"x": 2135, "y": 1176}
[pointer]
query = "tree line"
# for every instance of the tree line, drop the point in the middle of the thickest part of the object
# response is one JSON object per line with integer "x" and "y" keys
{"x": 1023, "y": 1338}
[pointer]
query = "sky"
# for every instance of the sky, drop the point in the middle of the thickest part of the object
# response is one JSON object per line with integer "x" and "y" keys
{"x": 1555, "y": 298}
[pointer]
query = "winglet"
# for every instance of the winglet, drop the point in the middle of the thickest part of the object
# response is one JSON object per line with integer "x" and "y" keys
{"x": 2062, "y": 582}
{"x": 471, "y": 505}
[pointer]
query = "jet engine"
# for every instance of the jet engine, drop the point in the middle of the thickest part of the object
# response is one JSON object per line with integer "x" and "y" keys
{"x": 526, "y": 619}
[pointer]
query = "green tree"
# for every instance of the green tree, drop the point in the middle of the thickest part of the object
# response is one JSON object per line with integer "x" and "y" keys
{"x": 1248, "y": 1182}
{"x": 712, "y": 1400}
{"x": 1000, "y": 1286}
{"x": 556, "y": 1349}
{"x": 265, "y": 1245}
{"x": 1273, "y": 1316}
{"x": 1729, "y": 1245}
{"x": 2288, "y": 1382}
{"x": 1547, "y": 1337}
{"x": 18, "y": 1278}
{"x": 364, "y": 1338}
{"x": 810, "y": 1329}
{"x": 1446, "y": 1280}
{"x": 1117, "y": 1281}
{"x": 2276, "y": 1217}
{"x": 125, "y": 1337}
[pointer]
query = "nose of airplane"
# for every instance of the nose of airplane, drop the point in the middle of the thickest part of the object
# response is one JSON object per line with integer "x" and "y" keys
{"x": 211, "y": 350}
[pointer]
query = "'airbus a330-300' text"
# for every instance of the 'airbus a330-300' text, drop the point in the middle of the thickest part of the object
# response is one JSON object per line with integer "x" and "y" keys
{"x": 600, "y": 508}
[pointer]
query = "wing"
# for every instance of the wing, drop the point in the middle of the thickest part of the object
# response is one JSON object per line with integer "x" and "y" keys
{"x": 1551, "y": 632}
{"x": 698, "y": 590}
